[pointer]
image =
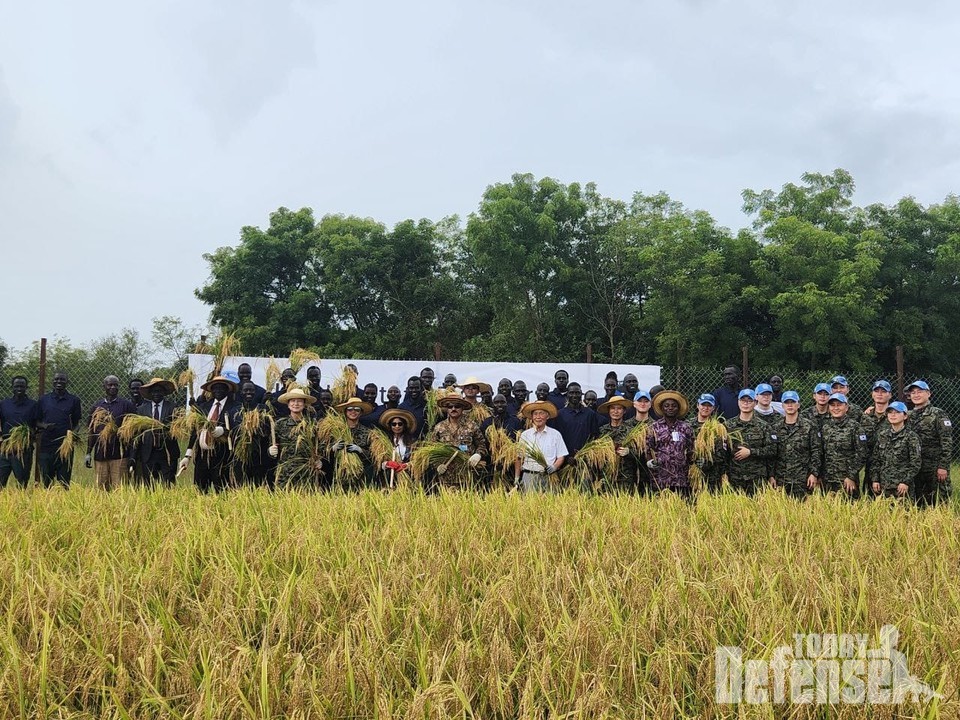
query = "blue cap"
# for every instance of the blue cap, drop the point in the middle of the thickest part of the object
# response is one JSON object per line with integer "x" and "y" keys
{"x": 707, "y": 399}
{"x": 821, "y": 387}
{"x": 918, "y": 384}
{"x": 641, "y": 394}
{"x": 882, "y": 384}
{"x": 747, "y": 392}
{"x": 764, "y": 387}
{"x": 790, "y": 395}
{"x": 839, "y": 397}
{"x": 838, "y": 380}
{"x": 232, "y": 375}
{"x": 898, "y": 406}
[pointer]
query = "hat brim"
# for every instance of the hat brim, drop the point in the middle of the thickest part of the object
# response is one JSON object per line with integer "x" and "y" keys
{"x": 405, "y": 415}
{"x": 528, "y": 408}
{"x": 665, "y": 395}
{"x": 619, "y": 401}
{"x": 297, "y": 394}
{"x": 455, "y": 402}
{"x": 365, "y": 407}
{"x": 208, "y": 385}
{"x": 165, "y": 385}
{"x": 484, "y": 387}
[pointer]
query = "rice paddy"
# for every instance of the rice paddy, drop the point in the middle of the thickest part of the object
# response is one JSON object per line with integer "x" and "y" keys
{"x": 399, "y": 605}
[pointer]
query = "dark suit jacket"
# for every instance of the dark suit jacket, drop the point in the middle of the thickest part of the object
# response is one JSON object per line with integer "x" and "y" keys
{"x": 228, "y": 421}
{"x": 166, "y": 416}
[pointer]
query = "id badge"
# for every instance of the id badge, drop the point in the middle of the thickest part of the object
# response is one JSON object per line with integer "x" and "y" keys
{"x": 675, "y": 436}
{"x": 463, "y": 448}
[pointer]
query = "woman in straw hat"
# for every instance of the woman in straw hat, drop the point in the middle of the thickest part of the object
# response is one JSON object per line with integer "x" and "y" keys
{"x": 670, "y": 444}
{"x": 356, "y": 443}
{"x": 627, "y": 477}
{"x": 300, "y": 462}
{"x": 401, "y": 428}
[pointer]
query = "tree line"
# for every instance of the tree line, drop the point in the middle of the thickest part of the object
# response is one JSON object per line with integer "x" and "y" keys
{"x": 543, "y": 268}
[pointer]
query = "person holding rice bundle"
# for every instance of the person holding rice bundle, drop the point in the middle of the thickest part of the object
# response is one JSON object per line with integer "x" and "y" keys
{"x": 709, "y": 442}
{"x": 18, "y": 421}
{"x": 60, "y": 416}
{"x": 543, "y": 448}
{"x": 353, "y": 444}
{"x": 670, "y": 445}
{"x": 255, "y": 448}
{"x": 300, "y": 462}
{"x": 401, "y": 427}
{"x": 157, "y": 452}
{"x": 461, "y": 432}
{"x": 211, "y": 435}
{"x": 103, "y": 445}
{"x": 627, "y": 477}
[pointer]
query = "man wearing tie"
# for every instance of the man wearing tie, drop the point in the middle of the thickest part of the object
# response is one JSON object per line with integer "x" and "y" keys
{"x": 158, "y": 452}
{"x": 215, "y": 446}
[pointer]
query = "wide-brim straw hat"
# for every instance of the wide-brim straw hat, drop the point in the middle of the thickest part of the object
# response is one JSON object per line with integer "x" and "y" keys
{"x": 365, "y": 407}
{"x": 297, "y": 393}
{"x": 453, "y": 399}
{"x": 670, "y": 395}
{"x": 618, "y": 400}
{"x": 208, "y": 385}
{"x": 166, "y": 386}
{"x": 472, "y": 380}
{"x": 405, "y": 415}
{"x": 528, "y": 407}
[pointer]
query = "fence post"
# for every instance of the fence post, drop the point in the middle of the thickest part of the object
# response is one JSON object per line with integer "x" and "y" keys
{"x": 42, "y": 380}
{"x": 589, "y": 353}
{"x": 746, "y": 366}
{"x": 900, "y": 372}
{"x": 436, "y": 352}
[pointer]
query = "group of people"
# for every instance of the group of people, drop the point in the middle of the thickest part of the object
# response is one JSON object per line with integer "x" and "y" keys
{"x": 239, "y": 433}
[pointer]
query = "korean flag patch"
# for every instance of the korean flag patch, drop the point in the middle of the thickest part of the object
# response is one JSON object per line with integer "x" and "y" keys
{"x": 773, "y": 436}
{"x": 863, "y": 438}
{"x": 947, "y": 423}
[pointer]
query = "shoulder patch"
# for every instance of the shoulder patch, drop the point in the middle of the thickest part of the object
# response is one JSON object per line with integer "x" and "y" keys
{"x": 863, "y": 437}
{"x": 947, "y": 423}
{"x": 773, "y": 436}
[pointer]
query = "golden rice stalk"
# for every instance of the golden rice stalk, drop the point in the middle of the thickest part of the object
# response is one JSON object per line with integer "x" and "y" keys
{"x": 134, "y": 427}
{"x": 432, "y": 411}
{"x": 333, "y": 428}
{"x": 344, "y": 386}
{"x": 104, "y": 426}
{"x": 66, "y": 447}
{"x": 273, "y": 373}
{"x": 709, "y": 436}
{"x": 429, "y": 455}
{"x": 302, "y": 464}
{"x": 347, "y": 468}
{"x": 302, "y": 356}
{"x": 504, "y": 450}
{"x": 636, "y": 438}
{"x": 381, "y": 447}
{"x": 596, "y": 459}
{"x": 533, "y": 452}
{"x": 480, "y": 412}
{"x": 186, "y": 379}
{"x": 17, "y": 443}
{"x": 187, "y": 422}
{"x": 226, "y": 345}
{"x": 252, "y": 425}
{"x": 697, "y": 479}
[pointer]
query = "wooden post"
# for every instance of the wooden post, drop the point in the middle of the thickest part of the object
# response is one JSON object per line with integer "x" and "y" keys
{"x": 900, "y": 378}
{"x": 589, "y": 352}
{"x": 746, "y": 366}
{"x": 436, "y": 352}
{"x": 42, "y": 380}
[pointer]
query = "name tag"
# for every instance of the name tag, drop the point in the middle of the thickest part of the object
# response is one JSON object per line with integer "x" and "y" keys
{"x": 675, "y": 436}
{"x": 463, "y": 448}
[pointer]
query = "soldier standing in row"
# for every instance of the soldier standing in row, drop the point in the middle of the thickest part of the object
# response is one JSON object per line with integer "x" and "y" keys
{"x": 933, "y": 427}
{"x": 712, "y": 468}
{"x": 844, "y": 449}
{"x": 799, "y": 459}
{"x": 895, "y": 460}
{"x": 752, "y": 445}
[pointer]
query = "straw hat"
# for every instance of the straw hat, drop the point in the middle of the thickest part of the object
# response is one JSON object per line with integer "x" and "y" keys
{"x": 618, "y": 400}
{"x": 365, "y": 407}
{"x": 159, "y": 383}
{"x": 670, "y": 395}
{"x": 297, "y": 393}
{"x": 473, "y": 380}
{"x": 208, "y": 385}
{"x": 453, "y": 399}
{"x": 528, "y": 407}
{"x": 404, "y": 415}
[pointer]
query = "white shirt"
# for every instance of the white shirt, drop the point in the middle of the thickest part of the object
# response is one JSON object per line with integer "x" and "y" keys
{"x": 548, "y": 441}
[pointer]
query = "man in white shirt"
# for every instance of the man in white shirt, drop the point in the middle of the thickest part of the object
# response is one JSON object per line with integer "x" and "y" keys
{"x": 539, "y": 440}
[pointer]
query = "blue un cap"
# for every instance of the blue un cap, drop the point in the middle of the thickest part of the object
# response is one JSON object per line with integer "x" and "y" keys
{"x": 821, "y": 387}
{"x": 790, "y": 395}
{"x": 232, "y": 376}
{"x": 898, "y": 406}
{"x": 839, "y": 380}
{"x": 838, "y": 397}
{"x": 641, "y": 394}
{"x": 747, "y": 392}
{"x": 882, "y": 384}
{"x": 707, "y": 399}
{"x": 764, "y": 387}
{"x": 918, "y": 384}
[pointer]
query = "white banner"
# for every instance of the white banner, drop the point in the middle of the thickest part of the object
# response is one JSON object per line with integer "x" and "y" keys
{"x": 396, "y": 372}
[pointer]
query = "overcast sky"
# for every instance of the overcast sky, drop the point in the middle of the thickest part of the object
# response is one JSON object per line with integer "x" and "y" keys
{"x": 134, "y": 137}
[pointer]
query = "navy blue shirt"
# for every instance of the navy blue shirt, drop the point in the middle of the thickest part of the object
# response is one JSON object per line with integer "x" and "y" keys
{"x": 558, "y": 400}
{"x": 727, "y": 402}
{"x": 418, "y": 408}
{"x": 62, "y": 413}
{"x": 577, "y": 426}
{"x": 511, "y": 424}
{"x": 14, "y": 413}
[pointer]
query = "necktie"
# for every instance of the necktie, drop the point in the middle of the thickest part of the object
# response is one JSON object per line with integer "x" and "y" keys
{"x": 215, "y": 415}
{"x": 156, "y": 411}
{"x": 156, "y": 434}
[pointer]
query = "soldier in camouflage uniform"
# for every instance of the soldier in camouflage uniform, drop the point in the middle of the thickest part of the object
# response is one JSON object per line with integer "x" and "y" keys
{"x": 626, "y": 480}
{"x": 839, "y": 384}
{"x": 799, "y": 459}
{"x": 818, "y": 412}
{"x": 713, "y": 469}
{"x": 874, "y": 421}
{"x": 752, "y": 446}
{"x": 458, "y": 431}
{"x": 933, "y": 427}
{"x": 844, "y": 449}
{"x": 895, "y": 459}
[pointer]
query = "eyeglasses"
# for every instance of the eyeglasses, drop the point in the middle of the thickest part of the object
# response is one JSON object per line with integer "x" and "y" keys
{"x": 353, "y": 409}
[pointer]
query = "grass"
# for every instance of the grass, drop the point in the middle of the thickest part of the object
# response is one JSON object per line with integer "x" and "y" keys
{"x": 172, "y": 604}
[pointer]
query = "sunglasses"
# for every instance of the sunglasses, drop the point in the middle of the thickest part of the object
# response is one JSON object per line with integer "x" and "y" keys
{"x": 399, "y": 423}
{"x": 353, "y": 409}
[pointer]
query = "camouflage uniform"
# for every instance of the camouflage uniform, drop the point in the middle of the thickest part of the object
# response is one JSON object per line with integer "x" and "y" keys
{"x": 713, "y": 470}
{"x": 750, "y": 474}
{"x": 895, "y": 459}
{"x": 628, "y": 467}
{"x": 293, "y": 469}
{"x": 464, "y": 435}
{"x": 872, "y": 426}
{"x": 799, "y": 455}
{"x": 360, "y": 436}
{"x": 844, "y": 452}
{"x": 933, "y": 427}
{"x": 818, "y": 418}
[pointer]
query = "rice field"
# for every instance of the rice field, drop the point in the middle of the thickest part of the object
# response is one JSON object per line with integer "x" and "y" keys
{"x": 169, "y": 604}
